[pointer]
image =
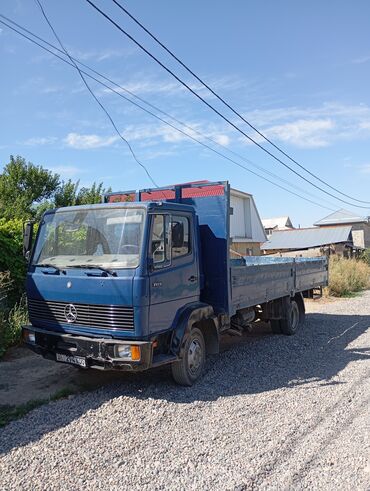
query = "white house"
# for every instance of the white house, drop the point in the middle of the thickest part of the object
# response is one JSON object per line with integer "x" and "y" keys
{"x": 279, "y": 223}
{"x": 246, "y": 229}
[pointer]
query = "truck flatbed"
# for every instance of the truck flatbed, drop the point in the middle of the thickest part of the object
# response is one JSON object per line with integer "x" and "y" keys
{"x": 258, "y": 279}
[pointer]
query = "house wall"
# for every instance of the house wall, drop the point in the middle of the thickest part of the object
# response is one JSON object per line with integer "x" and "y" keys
{"x": 246, "y": 248}
{"x": 361, "y": 235}
{"x": 246, "y": 229}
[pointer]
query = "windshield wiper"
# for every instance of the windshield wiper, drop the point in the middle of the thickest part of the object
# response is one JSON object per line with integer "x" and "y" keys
{"x": 48, "y": 265}
{"x": 94, "y": 266}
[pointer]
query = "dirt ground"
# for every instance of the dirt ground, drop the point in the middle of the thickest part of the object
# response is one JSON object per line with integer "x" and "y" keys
{"x": 25, "y": 376}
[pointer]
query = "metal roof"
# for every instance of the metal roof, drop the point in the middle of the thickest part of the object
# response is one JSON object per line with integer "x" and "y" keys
{"x": 304, "y": 238}
{"x": 341, "y": 217}
{"x": 279, "y": 222}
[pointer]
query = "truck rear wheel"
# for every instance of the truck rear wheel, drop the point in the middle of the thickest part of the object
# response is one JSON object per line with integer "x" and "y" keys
{"x": 289, "y": 325}
{"x": 190, "y": 367}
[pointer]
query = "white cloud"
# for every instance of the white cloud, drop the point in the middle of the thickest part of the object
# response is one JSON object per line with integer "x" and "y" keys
{"x": 303, "y": 133}
{"x": 38, "y": 141}
{"x": 145, "y": 84}
{"x": 365, "y": 125}
{"x": 52, "y": 89}
{"x": 361, "y": 59}
{"x": 364, "y": 168}
{"x": 83, "y": 142}
{"x": 222, "y": 139}
{"x": 66, "y": 171}
{"x": 312, "y": 127}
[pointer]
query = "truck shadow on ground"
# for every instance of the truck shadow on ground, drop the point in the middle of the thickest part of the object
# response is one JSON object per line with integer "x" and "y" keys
{"x": 258, "y": 362}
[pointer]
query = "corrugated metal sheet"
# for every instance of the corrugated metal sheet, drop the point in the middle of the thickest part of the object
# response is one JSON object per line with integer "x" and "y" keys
{"x": 304, "y": 238}
{"x": 340, "y": 217}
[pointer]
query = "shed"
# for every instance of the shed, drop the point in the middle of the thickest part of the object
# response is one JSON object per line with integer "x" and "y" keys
{"x": 316, "y": 240}
{"x": 360, "y": 226}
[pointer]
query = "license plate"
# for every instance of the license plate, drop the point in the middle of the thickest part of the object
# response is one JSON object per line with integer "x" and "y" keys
{"x": 74, "y": 360}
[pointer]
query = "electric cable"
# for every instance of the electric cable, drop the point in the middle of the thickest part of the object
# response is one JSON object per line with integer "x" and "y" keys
{"x": 214, "y": 109}
{"x": 221, "y": 99}
{"x": 156, "y": 116}
{"x": 94, "y": 96}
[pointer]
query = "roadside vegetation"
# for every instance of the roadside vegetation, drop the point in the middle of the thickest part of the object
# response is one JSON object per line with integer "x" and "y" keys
{"x": 26, "y": 191}
{"x": 347, "y": 276}
{"x": 11, "y": 413}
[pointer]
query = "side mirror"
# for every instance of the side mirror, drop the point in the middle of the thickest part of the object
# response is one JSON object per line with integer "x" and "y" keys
{"x": 177, "y": 234}
{"x": 27, "y": 239}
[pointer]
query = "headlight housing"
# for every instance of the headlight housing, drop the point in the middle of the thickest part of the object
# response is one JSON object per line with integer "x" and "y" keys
{"x": 29, "y": 336}
{"x": 128, "y": 352}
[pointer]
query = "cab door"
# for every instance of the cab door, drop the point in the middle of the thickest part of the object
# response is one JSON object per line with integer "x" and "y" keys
{"x": 174, "y": 271}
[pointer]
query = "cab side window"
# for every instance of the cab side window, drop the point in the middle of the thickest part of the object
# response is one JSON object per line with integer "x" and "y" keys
{"x": 180, "y": 236}
{"x": 160, "y": 240}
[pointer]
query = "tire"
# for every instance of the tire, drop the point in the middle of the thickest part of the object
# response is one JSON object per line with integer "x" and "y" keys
{"x": 275, "y": 326}
{"x": 291, "y": 323}
{"x": 190, "y": 367}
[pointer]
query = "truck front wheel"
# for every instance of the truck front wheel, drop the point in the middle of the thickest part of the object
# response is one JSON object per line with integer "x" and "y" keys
{"x": 190, "y": 366}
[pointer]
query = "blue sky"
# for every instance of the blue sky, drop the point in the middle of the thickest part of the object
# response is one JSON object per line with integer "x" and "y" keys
{"x": 299, "y": 71}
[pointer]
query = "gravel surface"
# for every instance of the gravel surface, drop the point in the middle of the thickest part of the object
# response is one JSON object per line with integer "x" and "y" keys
{"x": 272, "y": 412}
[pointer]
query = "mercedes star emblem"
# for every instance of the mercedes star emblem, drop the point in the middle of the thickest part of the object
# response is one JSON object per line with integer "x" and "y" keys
{"x": 70, "y": 313}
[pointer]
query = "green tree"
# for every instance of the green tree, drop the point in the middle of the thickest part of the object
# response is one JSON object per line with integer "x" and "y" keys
{"x": 89, "y": 196}
{"x": 68, "y": 194}
{"x": 23, "y": 186}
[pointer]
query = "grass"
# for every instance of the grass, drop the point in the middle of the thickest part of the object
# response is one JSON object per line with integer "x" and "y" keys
{"x": 11, "y": 413}
{"x": 347, "y": 277}
{"x": 11, "y": 322}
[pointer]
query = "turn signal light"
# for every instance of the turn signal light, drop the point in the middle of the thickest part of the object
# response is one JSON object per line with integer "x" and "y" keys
{"x": 135, "y": 353}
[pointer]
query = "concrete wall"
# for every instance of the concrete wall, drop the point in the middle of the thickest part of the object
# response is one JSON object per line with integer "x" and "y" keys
{"x": 361, "y": 235}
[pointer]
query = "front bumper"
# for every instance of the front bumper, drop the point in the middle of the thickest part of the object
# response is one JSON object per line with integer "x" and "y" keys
{"x": 99, "y": 353}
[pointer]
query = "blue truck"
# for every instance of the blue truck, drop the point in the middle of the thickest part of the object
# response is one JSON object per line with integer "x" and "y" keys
{"x": 146, "y": 279}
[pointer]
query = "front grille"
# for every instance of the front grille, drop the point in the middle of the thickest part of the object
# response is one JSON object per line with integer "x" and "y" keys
{"x": 100, "y": 316}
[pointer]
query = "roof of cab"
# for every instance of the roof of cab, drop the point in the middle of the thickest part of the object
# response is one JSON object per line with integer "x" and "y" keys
{"x": 129, "y": 204}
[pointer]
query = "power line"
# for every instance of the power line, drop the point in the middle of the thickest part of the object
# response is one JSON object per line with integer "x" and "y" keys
{"x": 94, "y": 96}
{"x": 214, "y": 109}
{"x": 221, "y": 99}
{"x": 250, "y": 162}
{"x": 158, "y": 117}
{"x": 151, "y": 113}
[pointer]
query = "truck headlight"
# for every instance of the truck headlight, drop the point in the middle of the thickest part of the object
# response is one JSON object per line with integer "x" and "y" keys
{"x": 128, "y": 352}
{"x": 29, "y": 336}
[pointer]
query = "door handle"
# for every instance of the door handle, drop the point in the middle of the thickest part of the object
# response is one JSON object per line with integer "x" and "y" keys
{"x": 193, "y": 279}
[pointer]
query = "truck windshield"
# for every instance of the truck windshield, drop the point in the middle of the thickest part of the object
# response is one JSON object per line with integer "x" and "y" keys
{"x": 106, "y": 238}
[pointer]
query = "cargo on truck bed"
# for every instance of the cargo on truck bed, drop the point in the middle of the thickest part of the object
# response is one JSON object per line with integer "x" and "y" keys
{"x": 145, "y": 278}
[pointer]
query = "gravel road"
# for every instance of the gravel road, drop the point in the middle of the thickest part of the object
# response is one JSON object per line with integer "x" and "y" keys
{"x": 272, "y": 412}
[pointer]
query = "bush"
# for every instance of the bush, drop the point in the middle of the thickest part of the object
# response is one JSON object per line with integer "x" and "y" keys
{"x": 11, "y": 322}
{"x": 347, "y": 276}
{"x": 11, "y": 258}
{"x": 365, "y": 256}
